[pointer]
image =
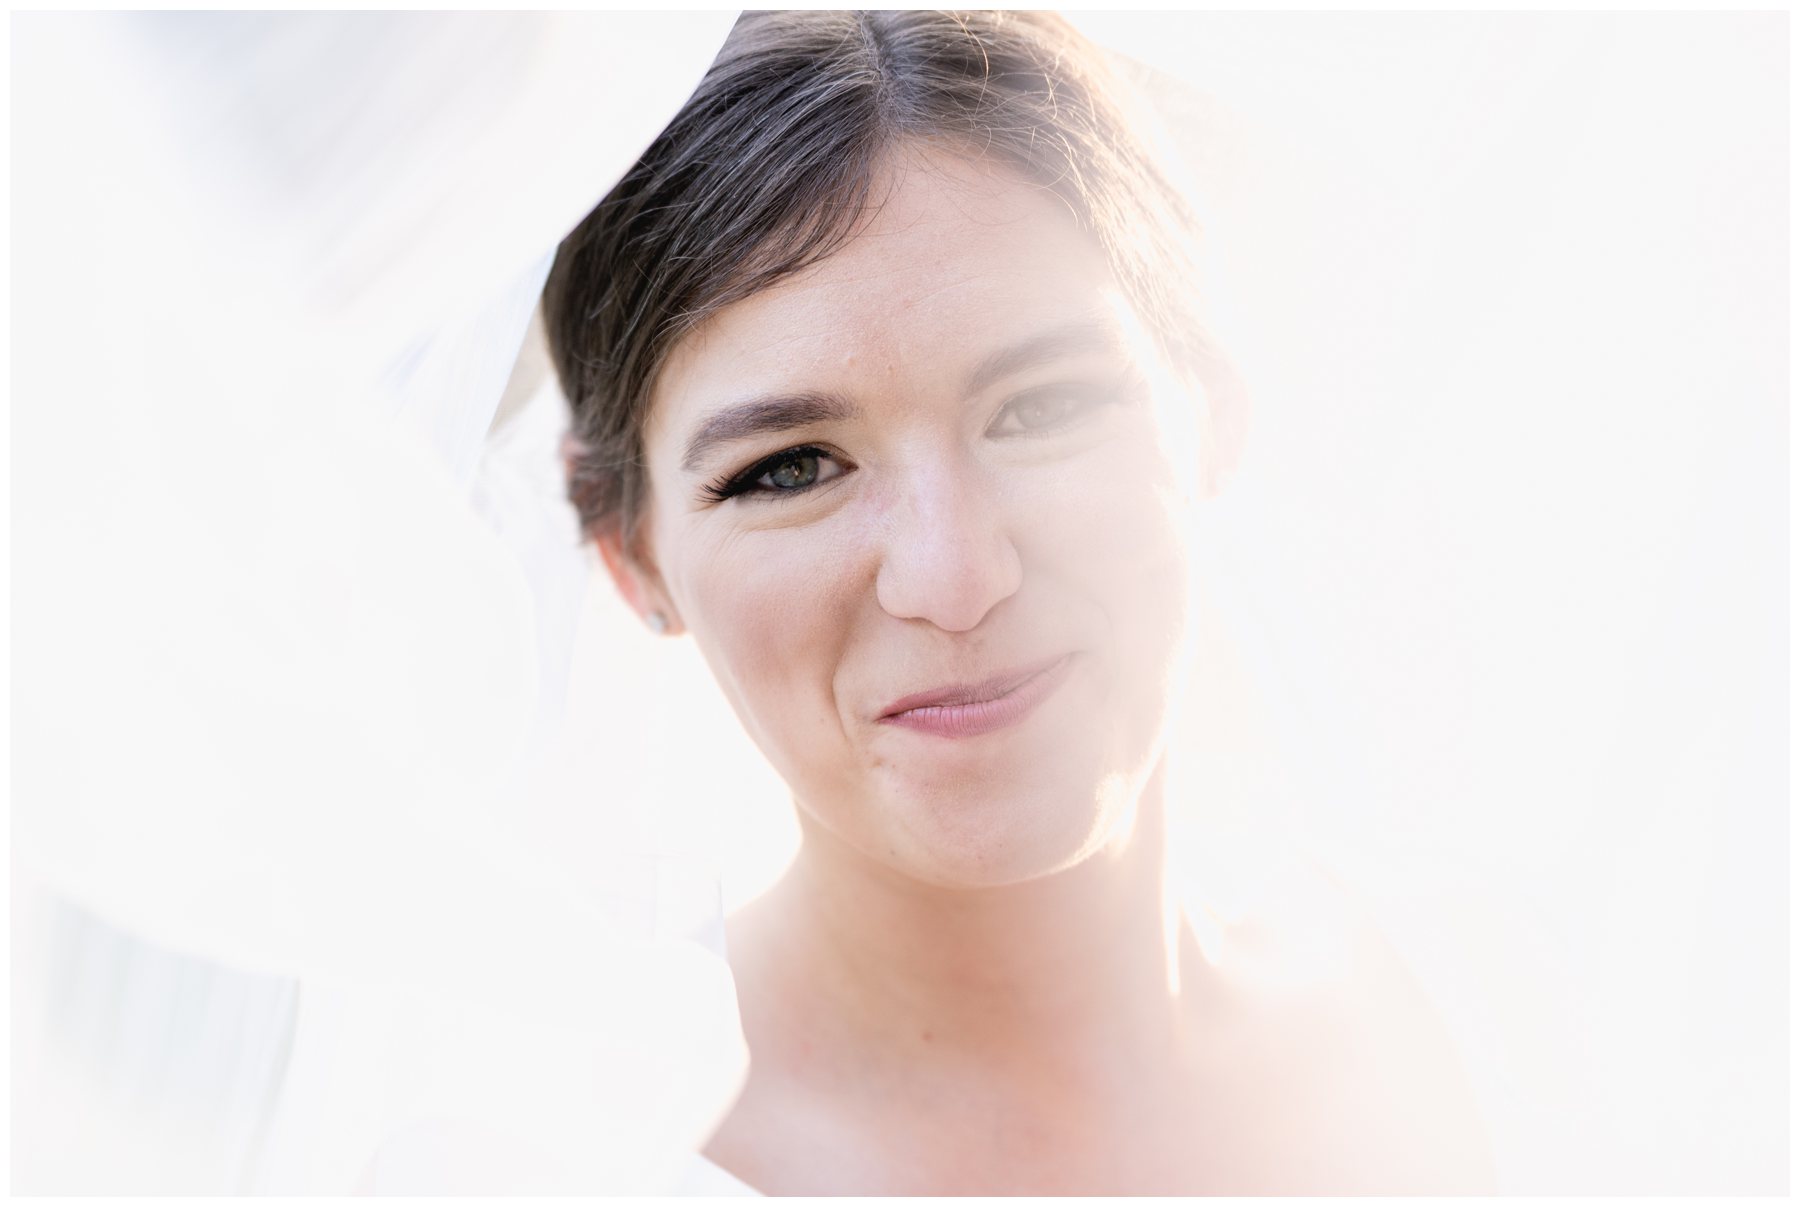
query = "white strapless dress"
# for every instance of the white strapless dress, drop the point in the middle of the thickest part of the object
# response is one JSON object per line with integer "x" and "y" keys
{"x": 701, "y": 1177}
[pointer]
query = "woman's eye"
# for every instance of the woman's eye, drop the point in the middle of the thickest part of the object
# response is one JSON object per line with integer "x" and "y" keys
{"x": 1042, "y": 411}
{"x": 790, "y": 472}
{"x": 794, "y": 473}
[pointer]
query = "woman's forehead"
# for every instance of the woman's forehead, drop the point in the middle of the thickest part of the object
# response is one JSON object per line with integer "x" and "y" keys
{"x": 959, "y": 263}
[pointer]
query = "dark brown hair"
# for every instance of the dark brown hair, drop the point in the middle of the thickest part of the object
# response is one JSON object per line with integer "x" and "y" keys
{"x": 769, "y": 167}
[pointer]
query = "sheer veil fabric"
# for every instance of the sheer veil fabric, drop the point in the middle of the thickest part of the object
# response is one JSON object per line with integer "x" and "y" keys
{"x": 298, "y": 627}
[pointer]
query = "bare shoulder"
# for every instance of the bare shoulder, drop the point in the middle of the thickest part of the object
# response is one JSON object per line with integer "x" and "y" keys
{"x": 1353, "y": 1062}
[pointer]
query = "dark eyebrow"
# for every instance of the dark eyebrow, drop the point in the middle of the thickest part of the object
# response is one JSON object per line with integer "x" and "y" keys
{"x": 1071, "y": 338}
{"x": 760, "y": 416}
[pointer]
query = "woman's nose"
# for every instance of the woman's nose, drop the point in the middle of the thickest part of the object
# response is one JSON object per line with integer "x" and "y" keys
{"x": 949, "y": 558}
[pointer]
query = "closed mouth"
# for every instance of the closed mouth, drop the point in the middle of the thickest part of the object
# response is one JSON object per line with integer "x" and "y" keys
{"x": 971, "y": 693}
{"x": 974, "y": 709}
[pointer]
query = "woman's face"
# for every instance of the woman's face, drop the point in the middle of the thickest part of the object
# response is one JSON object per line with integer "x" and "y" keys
{"x": 915, "y": 508}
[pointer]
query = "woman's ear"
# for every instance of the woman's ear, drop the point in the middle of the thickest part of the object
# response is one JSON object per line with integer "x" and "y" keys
{"x": 632, "y": 573}
{"x": 637, "y": 580}
{"x": 1228, "y": 424}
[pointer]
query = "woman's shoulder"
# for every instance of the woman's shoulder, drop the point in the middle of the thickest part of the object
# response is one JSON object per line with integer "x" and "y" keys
{"x": 1360, "y": 1067}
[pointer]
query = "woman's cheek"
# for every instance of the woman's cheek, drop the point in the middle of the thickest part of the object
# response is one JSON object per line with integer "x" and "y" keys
{"x": 761, "y": 606}
{"x": 1111, "y": 536}
{"x": 1110, "y": 517}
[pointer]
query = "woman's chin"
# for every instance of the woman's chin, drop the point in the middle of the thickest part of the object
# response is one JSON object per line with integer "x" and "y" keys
{"x": 999, "y": 838}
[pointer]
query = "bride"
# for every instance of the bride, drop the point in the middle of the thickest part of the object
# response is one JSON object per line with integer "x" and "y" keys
{"x": 888, "y": 389}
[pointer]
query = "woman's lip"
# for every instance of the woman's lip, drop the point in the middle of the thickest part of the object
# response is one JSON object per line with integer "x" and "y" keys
{"x": 968, "y": 710}
{"x": 971, "y": 693}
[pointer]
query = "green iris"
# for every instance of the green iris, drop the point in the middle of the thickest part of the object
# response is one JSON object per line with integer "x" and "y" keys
{"x": 795, "y": 473}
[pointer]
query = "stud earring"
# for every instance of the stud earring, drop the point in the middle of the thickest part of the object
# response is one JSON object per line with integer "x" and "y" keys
{"x": 659, "y": 624}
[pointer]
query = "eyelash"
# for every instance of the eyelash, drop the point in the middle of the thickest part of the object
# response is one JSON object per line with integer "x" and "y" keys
{"x": 744, "y": 482}
{"x": 1087, "y": 397}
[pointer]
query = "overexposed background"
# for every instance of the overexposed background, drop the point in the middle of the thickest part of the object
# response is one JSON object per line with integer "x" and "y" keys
{"x": 1500, "y": 586}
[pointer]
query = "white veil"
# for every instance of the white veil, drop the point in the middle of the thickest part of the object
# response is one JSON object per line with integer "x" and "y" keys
{"x": 288, "y": 636}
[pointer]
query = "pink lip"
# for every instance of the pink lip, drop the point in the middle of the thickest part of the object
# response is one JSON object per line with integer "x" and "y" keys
{"x": 969, "y": 710}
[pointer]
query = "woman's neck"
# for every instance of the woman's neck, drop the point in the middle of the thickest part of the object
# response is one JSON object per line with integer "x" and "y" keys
{"x": 1066, "y": 987}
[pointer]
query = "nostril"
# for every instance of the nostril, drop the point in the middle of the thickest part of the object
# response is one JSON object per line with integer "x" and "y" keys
{"x": 947, "y": 555}
{"x": 953, "y": 584}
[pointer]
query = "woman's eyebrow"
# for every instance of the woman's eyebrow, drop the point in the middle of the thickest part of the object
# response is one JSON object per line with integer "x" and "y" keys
{"x": 760, "y": 416}
{"x": 779, "y": 412}
{"x": 1083, "y": 335}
